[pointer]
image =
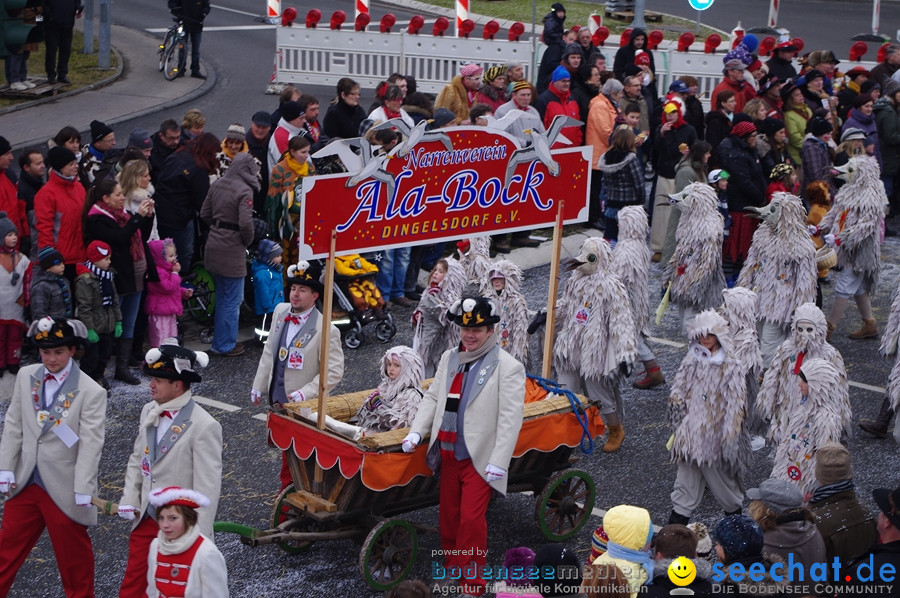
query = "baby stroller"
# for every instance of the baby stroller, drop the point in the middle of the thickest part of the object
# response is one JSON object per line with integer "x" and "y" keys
{"x": 351, "y": 320}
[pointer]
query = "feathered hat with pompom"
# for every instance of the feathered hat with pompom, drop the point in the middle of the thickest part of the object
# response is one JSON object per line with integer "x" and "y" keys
{"x": 52, "y": 332}
{"x": 174, "y": 362}
{"x": 472, "y": 312}
{"x": 306, "y": 274}
{"x": 175, "y": 495}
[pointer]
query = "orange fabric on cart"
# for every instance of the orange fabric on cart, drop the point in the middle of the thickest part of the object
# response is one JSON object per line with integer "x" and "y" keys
{"x": 381, "y": 471}
{"x": 533, "y": 391}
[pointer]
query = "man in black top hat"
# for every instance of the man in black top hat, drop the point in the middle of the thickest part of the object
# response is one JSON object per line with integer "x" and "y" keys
{"x": 178, "y": 444}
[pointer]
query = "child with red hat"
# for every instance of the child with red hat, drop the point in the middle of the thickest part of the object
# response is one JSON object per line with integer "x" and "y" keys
{"x": 182, "y": 561}
{"x": 97, "y": 306}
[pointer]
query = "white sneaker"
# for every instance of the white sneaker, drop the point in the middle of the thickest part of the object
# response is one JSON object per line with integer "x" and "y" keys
{"x": 18, "y": 86}
{"x": 29, "y": 84}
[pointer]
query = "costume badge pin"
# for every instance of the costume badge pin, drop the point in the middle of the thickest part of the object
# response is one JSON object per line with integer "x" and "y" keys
{"x": 282, "y": 354}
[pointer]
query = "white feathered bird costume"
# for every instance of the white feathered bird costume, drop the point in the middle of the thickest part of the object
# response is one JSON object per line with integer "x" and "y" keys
{"x": 695, "y": 270}
{"x": 780, "y": 386}
{"x": 889, "y": 342}
{"x": 631, "y": 262}
{"x": 781, "y": 263}
{"x": 855, "y": 218}
{"x": 513, "y": 325}
{"x": 434, "y": 333}
{"x": 476, "y": 260}
{"x": 810, "y": 422}
{"x": 740, "y": 310}
{"x": 394, "y": 403}
{"x": 708, "y": 402}
{"x": 594, "y": 327}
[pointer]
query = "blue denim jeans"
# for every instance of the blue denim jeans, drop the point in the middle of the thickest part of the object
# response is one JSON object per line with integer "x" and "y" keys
{"x": 229, "y": 295}
{"x": 129, "y": 304}
{"x": 392, "y": 272}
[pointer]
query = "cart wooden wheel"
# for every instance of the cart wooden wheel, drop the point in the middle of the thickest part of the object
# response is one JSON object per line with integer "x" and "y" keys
{"x": 565, "y": 504}
{"x": 388, "y": 554}
{"x": 282, "y": 511}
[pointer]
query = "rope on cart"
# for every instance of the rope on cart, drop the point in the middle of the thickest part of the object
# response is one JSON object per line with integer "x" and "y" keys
{"x": 587, "y": 441}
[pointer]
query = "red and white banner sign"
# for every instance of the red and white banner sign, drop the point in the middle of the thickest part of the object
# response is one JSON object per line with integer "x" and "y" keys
{"x": 459, "y": 182}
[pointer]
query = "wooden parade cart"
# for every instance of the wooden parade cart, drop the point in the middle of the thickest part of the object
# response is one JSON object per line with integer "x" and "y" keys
{"x": 366, "y": 485}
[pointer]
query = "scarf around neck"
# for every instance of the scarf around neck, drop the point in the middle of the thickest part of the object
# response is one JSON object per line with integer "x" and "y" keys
{"x": 179, "y": 544}
{"x": 295, "y": 166}
{"x": 829, "y": 490}
{"x": 106, "y": 285}
{"x": 641, "y": 557}
{"x": 176, "y": 404}
{"x": 121, "y": 217}
{"x": 467, "y": 357}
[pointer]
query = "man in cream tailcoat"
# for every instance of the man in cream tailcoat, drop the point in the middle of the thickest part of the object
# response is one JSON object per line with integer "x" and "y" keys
{"x": 289, "y": 367}
{"x": 473, "y": 413}
{"x": 49, "y": 456}
{"x": 178, "y": 444}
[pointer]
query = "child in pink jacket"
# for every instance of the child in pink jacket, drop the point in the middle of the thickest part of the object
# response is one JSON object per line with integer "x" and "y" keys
{"x": 163, "y": 302}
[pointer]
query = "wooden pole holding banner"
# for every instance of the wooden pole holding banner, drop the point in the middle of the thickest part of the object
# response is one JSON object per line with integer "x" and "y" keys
{"x": 551, "y": 292}
{"x": 324, "y": 351}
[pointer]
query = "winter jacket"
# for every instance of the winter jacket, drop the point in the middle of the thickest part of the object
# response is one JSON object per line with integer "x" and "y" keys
{"x": 666, "y": 148}
{"x": 455, "y": 98}
{"x": 796, "y": 537}
{"x": 90, "y": 309}
{"x": 181, "y": 188}
{"x": 343, "y": 120}
{"x": 48, "y": 297}
{"x": 101, "y": 226}
{"x": 887, "y": 122}
{"x": 623, "y": 179}
{"x": 62, "y": 12}
{"x": 743, "y": 92}
{"x": 781, "y": 68}
{"x": 191, "y": 12}
{"x": 278, "y": 143}
{"x": 881, "y": 555}
{"x": 26, "y": 190}
{"x": 746, "y": 186}
{"x": 551, "y": 104}
{"x": 493, "y": 97}
{"x": 57, "y": 209}
{"x": 600, "y": 124}
{"x": 816, "y": 162}
{"x": 625, "y": 55}
{"x": 268, "y": 287}
{"x": 228, "y": 210}
{"x": 718, "y": 128}
{"x": 867, "y": 124}
{"x": 158, "y": 155}
{"x": 846, "y": 527}
{"x": 15, "y": 283}
{"x": 795, "y": 119}
{"x": 13, "y": 206}
{"x": 554, "y": 27}
{"x": 163, "y": 297}
{"x": 693, "y": 114}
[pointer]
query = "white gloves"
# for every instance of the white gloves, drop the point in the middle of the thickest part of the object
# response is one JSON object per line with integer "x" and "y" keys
{"x": 296, "y": 396}
{"x": 255, "y": 397}
{"x": 830, "y": 239}
{"x": 410, "y": 442}
{"x": 7, "y": 479}
{"x": 82, "y": 500}
{"x": 127, "y": 512}
{"x": 812, "y": 229}
{"x": 492, "y": 473}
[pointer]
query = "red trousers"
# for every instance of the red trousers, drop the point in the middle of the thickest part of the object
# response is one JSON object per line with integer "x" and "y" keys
{"x": 134, "y": 584}
{"x": 11, "y": 338}
{"x": 24, "y": 520}
{"x": 463, "y": 508}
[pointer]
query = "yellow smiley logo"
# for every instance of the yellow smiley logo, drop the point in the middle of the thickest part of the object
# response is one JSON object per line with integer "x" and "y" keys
{"x": 682, "y": 571}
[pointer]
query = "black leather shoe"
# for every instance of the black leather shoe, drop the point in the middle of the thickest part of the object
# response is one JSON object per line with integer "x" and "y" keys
{"x": 65, "y": 80}
{"x": 197, "y": 75}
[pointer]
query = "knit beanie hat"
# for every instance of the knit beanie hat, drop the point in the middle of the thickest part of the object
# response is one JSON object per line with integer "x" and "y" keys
{"x": 769, "y": 126}
{"x": 743, "y": 129}
{"x": 599, "y": 543}
{"x": 236, "y": 132}
{"x": 558, "y": 570}
{"x": 560, "y": 73}
{"x": 520, "y": 85}
{"x": 851, "y": 133}
{"x": 861, "y": 100}
{"x": 492, "y": 73}
{"x": 5, "y": 147}
{"x": 97, "y": 251}
{"x": 519, "y": 559}
{"x": 140, "y": 139}
{"x": 833, "y": 464}
{"x": 470, "y": 70}
{"x": 442, "y": 116}
{"x": 891, "y": 87}
{"x": 571, "y": 49}
{"x": 642, "y": 58}
{"x": 291, "y": 110}
{"x": 99, "y": 130}
{"x": 6, "y": 226}
{"x": 818, "y": 126}
{"x": 780, "y": 171}
{"x": 739, "y": 536}
{"x": 49, "y": 257}
{"x": 269, "y": 249}
{"x": 59, "y": 156}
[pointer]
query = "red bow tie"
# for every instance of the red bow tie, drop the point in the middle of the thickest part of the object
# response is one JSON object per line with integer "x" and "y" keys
{"x": 48, "y": 377}
{"x": 169, "y": 414}
{"x": 292, "y": 319}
